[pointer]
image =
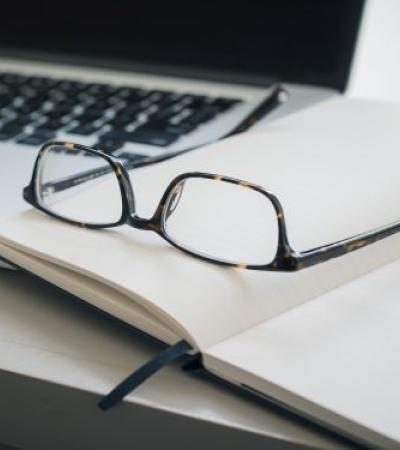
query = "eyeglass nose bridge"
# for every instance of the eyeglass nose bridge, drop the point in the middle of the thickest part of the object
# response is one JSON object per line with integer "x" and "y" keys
{"x": 141, "y": 223}
{"x": 171, "y": 198}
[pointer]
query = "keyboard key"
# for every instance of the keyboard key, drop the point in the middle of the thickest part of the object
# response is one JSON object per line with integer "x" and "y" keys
{"x": 134, "y": 109}
{"x": 6, "y": 100}
{"x": 115, "y": 102}
{"x": 5, "y": 136}
{"x": 51, "y": 125}
{"x": 12, "y": 79}
{"x": 26, "y": 108}
{"x": 194, "y": 101}
{"x": 159, "y": 138}
{"x": 93, "y": 111}
{"x": 132, "y": 95}
{"x": 97, "y": 88}
{"x": 84, "y": 129}
{"x": 132, "y": 156}
{"x": 85, "y": 99}
{"x": 181, "y": 128}
{"x": 51, "y": 115}
{"x": 108, "y": 145}
{"x": 178, "y": 129}
{"x": 20, "y": 121}
{"x": 57, "y": 113}
{"x": 12, "y": 125}
{"x": 102, "y": 105}
{"x": 201, "y": 116}
{"x": 10, "y": 130}
{"x": 121, "y": 120}
{"x": 164, "y": 115}
{"x": 36, "y": 138}
{"x": 41, "y": 82}
{"x": 156, "y": 137}
{"x": 70, "y": 86}
{"x": 27, "y": 91}
{"x": 84, "y": 119}
{"x": 56, "y": 95}
{"x": 164, "y": 98}
{"x": 23, "y": 120}
{"x": 4, "y": 89}
{"x": 225, "y": 103}
{"x": 122, "y": 92}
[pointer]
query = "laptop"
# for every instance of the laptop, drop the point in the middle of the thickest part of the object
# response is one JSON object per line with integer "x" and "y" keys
{"x": 147, "y": 79}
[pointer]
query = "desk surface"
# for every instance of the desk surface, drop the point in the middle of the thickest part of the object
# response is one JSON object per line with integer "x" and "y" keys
{"x": 65, "y": 354}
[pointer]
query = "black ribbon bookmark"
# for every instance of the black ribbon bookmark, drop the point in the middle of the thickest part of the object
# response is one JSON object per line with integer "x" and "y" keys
{"x": 143, "y": 373}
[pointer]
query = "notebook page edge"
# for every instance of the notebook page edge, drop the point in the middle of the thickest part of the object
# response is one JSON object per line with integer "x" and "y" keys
{"x": 72, "y": 282}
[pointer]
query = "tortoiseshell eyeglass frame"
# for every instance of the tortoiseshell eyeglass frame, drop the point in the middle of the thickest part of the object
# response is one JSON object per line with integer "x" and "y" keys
{"x": 286, "y": 259}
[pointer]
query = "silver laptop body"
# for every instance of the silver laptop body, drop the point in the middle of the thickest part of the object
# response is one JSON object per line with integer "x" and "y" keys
{"x": 145, "y": 85}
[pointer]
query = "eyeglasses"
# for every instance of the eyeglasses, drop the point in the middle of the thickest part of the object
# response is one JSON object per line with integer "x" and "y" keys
{"x": 212, "y": 217}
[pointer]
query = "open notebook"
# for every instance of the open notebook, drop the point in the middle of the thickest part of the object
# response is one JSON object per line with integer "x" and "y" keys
{"x": 323, "y": 341}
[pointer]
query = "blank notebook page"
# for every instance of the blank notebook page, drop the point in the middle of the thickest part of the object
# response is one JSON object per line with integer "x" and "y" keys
{"x": 335, "y": 169}
{"x": 340, "y": 351}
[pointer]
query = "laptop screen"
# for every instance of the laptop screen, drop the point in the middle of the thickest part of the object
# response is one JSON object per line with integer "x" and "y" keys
{"x": 303, "y": 41}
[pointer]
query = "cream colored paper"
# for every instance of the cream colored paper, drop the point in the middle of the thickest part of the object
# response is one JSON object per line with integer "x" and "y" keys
{"x": 336, "y": 358}
{"x": 335, "y": 169}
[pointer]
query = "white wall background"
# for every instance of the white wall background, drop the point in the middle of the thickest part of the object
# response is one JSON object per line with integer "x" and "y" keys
{"x": 376, "y": 67}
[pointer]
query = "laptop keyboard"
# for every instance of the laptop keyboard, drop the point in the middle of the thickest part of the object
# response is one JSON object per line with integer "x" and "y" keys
{"x": 34, "y": 109}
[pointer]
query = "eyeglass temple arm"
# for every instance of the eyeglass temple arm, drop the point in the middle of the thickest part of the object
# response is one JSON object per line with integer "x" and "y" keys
{"x": 92, "y": 174}
{"x": 326, "y": 252}
{"x": 278, "y": 96}
{"x": 75, "y": 180}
